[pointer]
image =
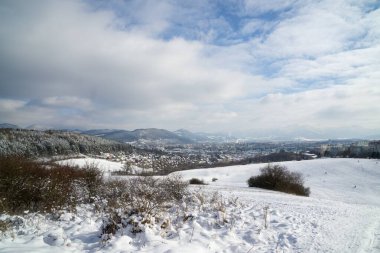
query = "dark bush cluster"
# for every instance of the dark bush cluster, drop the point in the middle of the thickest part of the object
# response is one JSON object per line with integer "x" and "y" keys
{"x": 43, "y": 187}
{"x": 196, "y": 181}
{"x": 27, "y": 185}
{"x": 279, "y": 178}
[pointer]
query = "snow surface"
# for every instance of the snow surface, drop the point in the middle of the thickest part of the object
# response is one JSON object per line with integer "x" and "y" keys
{"x": 346, "y": 180}
{"x": 105, "y": 165}
{"x": 341, "y": 215}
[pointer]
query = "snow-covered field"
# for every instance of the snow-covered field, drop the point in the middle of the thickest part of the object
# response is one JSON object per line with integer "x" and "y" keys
{"x": 105, "y": 165}
{"x": 342, "y": 214}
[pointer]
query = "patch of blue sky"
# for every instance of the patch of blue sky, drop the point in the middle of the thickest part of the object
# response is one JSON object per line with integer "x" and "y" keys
{"x": 215, "y": 22}
{"x": 230, "y": 13}
{"x": 274, "y": 15}
{"x": 181, "y": 30}
{"x": 371, "y": 6}
{"x": 221, "y": 22}
{"x": 226, "y": 24}
{"x": 314, "y": 84}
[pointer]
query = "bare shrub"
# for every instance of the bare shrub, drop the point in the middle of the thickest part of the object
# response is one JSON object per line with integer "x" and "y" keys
{"x": 111, "y": 225}
{"x": 113, "y": 195}
{"x": 21, "y": 184}
{"x": 139, "y": 200}
{"x": 91, "y": 180}
{"x": 144, "y": 195}
{"x": 150, "y": 195}
{"x": 174, "y": 186}
{"x": 29, "y": 185}
{"x": 5, "y": 225}
{"x": 279, "y": 178}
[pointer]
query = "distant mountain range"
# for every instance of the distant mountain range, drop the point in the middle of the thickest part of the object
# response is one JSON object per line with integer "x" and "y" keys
{"x": 149, "y": 135}
{"x": 182, "y": 136}
{"x": 142, "y": 135}
{"x": 154, "y": 135}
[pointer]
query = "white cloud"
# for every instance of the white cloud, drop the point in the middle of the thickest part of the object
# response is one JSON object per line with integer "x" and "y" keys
{"x": 314, "y": 66}
{"x": 318, "y": 28}
{"x": 347, "y": 64}
{"x": 84, "y": 57}
{"x": 10, "y": 104}
{"x": 340, "y": 107}
{"x": 67, "y": 101}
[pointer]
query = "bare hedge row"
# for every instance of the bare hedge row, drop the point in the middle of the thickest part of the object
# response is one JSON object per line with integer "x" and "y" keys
{"x": 27, "y": 185}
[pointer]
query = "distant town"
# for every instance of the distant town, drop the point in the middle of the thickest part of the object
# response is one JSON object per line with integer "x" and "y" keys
{"x": 160, "y": 152}
{"x": 163, "y": 159}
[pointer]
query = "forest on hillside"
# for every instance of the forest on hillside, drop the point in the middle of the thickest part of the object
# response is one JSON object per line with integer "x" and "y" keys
{"x": 34, "y": 143}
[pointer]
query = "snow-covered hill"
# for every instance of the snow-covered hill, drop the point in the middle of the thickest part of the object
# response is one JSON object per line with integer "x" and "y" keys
{"x": 346, "y": 180}
{"x": 341, "y": 215}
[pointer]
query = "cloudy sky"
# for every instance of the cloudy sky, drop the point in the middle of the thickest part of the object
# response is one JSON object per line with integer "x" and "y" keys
{"x": 257, "y": 67}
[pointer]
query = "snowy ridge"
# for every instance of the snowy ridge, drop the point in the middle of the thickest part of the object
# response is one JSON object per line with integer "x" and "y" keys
{"x": 341, "y": 215}
{"x": 50, "y": 143}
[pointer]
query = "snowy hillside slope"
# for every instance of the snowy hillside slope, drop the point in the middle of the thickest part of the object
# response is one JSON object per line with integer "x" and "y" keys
{"x": 341, "y": 215}
{"x": 340, "y": 179}
{"x": 227, "y": 216}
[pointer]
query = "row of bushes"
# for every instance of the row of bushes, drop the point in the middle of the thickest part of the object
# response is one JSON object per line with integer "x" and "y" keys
{"x": 35, "y": 186}
{"x": 27, "y": 185}
{"x": 44, "y": 187}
